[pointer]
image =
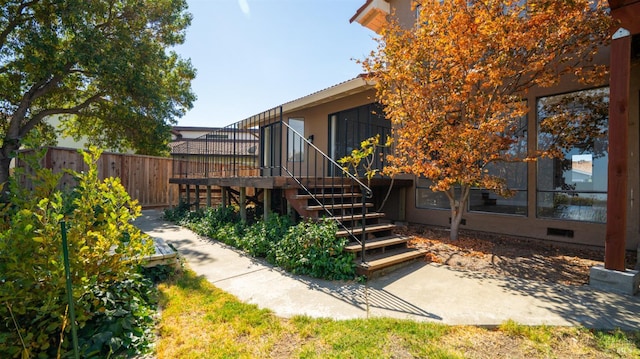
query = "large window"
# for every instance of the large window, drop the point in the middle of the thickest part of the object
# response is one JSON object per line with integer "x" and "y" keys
{"x": 515, "y": 175}
{"x": 295, "y": 146}
{"x": 574, "y": 187}
{"x": 348, "y": 128}
{"x": 428, "y": 199}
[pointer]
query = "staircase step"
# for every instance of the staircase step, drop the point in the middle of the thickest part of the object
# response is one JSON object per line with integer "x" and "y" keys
{"x": 338, "y": 206}
{"x": 329, "y": 195}
{"x": 369, "y": 228}
{"x": 313, "y": 185}
{"x": 357, "y": 217}
{"x": 377, "y": 243}
{"x": 388, "y": 259}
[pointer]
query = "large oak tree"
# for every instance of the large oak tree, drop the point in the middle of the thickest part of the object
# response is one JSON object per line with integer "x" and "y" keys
{"x": 104, "y": 67}
{"x": 453, "y": 84}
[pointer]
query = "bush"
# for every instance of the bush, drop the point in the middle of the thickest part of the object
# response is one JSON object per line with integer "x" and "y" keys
{"x": 261, "y": 239}
{"x": 313, "y": 249}
{"x": 104, "y": 252}
{"x": 308, "y": 248}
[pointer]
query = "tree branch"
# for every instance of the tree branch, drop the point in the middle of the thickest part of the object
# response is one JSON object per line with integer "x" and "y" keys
{"x": 13, "y": 23}
{"x": 37, "y": 118}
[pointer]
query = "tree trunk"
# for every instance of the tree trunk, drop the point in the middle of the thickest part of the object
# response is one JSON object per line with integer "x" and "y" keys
{"x": 456, "y": 217}
{"x": 457, "y": 206}
{"x": 5, "y": 161}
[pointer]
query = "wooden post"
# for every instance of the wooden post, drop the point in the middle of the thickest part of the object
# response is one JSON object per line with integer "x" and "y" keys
{"x": 188, "y": 194}
{"x": 243, "y": 204}
{"x": 223, "y": 193}
{"x": 402, "y": 204}
{"x": 620, "y": 68}
{"x": 197, "y": 197}
{"x": 267, "y": 203}
{"x": 209, "y": 196}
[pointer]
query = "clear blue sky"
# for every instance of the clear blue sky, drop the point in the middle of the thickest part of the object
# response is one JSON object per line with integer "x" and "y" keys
{"x": 252, "y": 55}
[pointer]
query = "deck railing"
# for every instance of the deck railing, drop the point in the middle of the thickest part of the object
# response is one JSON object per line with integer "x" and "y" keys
{"x": 231, "y": 151}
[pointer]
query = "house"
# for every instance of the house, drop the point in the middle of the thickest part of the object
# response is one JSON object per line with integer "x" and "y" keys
{"x": 299, "y": 142}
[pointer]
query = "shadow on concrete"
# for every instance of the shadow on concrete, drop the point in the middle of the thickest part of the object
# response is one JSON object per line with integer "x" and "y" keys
{"x": 367, "y": 297}
{"x": 580, "y": 305}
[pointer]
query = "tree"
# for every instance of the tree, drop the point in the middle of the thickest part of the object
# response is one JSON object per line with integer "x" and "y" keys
{"x": 453, "y": 83}
{"x": 103, "y": 66}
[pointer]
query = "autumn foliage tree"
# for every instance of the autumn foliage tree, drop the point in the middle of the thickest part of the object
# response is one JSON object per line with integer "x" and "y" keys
{"x": 104, "y": 67}
{"x": 453, "y": 83}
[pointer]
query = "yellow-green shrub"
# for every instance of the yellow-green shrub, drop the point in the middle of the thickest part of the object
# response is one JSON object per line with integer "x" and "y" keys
{"x": 104, "y": 248}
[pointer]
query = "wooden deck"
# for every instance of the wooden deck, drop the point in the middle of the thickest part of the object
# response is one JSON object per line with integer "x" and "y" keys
{"x": 270, "y": 182}
{"x": 164, "y": 254}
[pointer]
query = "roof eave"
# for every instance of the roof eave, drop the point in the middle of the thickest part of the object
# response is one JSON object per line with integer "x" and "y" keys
{"x": 372, "y": 15}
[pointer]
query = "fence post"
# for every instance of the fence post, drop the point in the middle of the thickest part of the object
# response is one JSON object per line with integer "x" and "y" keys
{"x": 67, "y": 273}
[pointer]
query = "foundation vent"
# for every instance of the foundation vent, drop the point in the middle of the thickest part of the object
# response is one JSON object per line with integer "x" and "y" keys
{"x": 559, "y": 232}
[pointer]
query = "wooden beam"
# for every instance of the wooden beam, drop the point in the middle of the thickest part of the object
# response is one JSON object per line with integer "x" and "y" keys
{"x": 243, "y": 204}
{"x": 629, "y": 16}
{"x": 616, "y": 231}
{"x": 224, "y": 197}
{"x": 267, "y": 203}
{"x": 197, "y": 197}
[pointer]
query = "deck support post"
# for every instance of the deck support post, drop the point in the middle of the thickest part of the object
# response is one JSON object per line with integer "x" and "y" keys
{"x": 223, "y": 192}
{"x": 170, "y": 189}
{"x": 188, "y": 196}
{"x": 209, "y": 196}
{"x": 291, "y": 212}
{"x": 267, "y": 203}
{"x": 197, "y": 199}
{"x": 243, "y": 204}
{"x": 402, "y": 204}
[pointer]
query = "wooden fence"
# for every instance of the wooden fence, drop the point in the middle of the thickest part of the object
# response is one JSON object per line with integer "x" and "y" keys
{"x": 145, "y": 178}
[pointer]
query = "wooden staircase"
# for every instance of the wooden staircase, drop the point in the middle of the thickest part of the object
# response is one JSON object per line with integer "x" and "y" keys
{"x": 383, "y": 250}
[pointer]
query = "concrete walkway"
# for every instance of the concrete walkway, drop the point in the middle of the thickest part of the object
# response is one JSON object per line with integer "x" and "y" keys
{"x": 421, "y": 291}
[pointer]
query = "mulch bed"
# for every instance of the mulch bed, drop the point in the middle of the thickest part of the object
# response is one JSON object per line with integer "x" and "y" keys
{"x": 508, "y": 256}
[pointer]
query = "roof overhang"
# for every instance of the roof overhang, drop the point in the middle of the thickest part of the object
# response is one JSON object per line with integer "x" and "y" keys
{"x": 372, "y": 15}
{"x": 344, "y": 89}
{"x": 333, "y": 93}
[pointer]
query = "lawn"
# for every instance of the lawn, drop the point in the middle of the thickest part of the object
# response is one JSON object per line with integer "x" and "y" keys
{"x": 199, "y": 320}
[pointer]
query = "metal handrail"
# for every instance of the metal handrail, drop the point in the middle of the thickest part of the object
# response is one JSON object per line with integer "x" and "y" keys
{"x": 365, "y": 190}
{"x": 332, "y": 161}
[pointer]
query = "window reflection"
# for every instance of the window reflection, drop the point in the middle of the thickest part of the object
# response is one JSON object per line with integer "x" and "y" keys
{"x": 574, "y": 187}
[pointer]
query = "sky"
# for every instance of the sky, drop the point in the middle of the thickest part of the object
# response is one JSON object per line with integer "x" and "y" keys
{"x": 253, "y": 55}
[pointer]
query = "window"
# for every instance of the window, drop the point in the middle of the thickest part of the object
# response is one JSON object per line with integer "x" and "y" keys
{"x": 348, "y": 128}
{"x": 515, "y": 174}
{"x": 428, "y": 199}
{"x": 295, "y": 144}
{"x": 574, "y": 187}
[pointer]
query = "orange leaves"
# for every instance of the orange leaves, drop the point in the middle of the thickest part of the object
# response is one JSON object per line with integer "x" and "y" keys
{"x": 451, "y": 84}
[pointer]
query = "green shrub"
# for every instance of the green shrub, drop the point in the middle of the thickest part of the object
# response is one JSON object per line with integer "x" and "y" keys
{"x": 104, "y": 250}
{"x": 261, "y": 239}
{"x": 313, "y": 249}
{"x": 308, "y": 248}
{"x": 123, "y": 322}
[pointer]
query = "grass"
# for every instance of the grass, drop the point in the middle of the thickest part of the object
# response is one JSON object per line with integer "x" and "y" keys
{"x": 200, "y": 321}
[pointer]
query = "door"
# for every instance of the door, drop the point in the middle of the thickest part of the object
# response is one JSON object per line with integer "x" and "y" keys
{"x": 271, "y": 150}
